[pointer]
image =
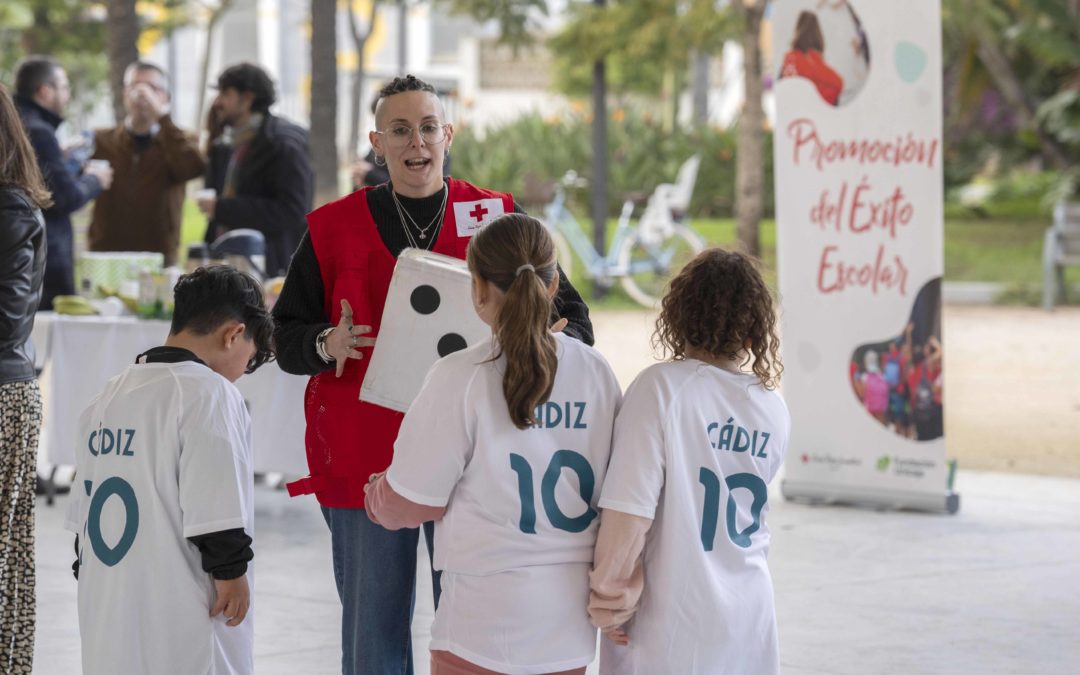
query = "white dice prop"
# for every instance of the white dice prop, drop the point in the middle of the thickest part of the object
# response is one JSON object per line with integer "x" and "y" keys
{"x": 429, "y": 314}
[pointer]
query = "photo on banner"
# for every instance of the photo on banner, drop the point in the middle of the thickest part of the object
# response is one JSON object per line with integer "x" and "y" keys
{"x": 859, "y": 210}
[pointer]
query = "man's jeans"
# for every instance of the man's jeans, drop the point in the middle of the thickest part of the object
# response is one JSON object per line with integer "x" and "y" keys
{"x": 375, "y": 571}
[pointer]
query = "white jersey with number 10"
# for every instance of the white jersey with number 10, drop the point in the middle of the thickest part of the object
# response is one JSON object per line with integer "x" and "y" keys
{"x": 517, "y": 539}
{"x": 166, "y": 455}
{"x": 695, "y": 448}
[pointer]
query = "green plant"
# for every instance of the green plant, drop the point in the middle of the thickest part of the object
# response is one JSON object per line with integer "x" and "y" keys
{"x": 642, "y": 153}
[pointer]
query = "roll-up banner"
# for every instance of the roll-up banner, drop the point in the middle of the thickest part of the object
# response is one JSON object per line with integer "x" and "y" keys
{"x": 859, "y": 198}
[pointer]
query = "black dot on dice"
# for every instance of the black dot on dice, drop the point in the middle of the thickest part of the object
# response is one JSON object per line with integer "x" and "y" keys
{"x": 425, "y": 299}
{"x": 450, "y": 343}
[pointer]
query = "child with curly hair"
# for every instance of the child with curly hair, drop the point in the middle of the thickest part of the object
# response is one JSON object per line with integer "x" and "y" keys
{"x": 697, "y": 440}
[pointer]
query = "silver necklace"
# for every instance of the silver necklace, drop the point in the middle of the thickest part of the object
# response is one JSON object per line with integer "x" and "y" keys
{"x": 406, "y": 217}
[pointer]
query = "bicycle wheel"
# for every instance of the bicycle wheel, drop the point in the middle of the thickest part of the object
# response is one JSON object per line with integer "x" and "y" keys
{"x": 563, "y": 254}
{"x": 649, "y": 266}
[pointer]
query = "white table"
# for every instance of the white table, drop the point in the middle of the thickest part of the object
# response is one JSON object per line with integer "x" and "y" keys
{"x": 81, "y": 354}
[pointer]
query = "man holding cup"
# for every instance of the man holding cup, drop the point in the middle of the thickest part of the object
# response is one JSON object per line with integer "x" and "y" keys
{"x": 151, "y": 159}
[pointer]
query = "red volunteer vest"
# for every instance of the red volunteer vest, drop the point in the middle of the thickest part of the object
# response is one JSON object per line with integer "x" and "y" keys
{"x": 347, "y": 439}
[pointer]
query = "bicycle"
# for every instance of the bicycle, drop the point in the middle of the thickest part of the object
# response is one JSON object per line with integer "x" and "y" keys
{"x": 641, "y": 256}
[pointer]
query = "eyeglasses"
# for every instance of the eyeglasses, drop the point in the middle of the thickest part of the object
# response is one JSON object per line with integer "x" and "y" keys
{"x": 134, "y": 85}
{"x": 400, "y": 135}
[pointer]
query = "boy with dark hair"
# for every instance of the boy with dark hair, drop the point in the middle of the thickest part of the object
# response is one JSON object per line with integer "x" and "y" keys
{"x": 162, "y": 508}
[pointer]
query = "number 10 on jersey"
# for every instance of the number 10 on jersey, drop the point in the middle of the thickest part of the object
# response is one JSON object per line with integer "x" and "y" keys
{"x": 562, "y": 459}
{"x": 711, "y": 507}
{"x": 114, "y": 486}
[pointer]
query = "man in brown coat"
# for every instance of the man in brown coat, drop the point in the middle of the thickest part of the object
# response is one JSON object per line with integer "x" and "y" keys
{"x": 152, "y": 159}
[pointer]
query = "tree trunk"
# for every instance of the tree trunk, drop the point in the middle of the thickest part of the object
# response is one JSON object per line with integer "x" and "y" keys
{"x": 1005, "y": 81}
{"x": 204, "y": 70}
{"x": 749, "y": 159}
{"x": 359, "y": 42}
{"x": 122, "y": 39}
{"x": 324, "y": 99}
{"x": 403, "y": 38}
{"x": 600, "y": 161}
{"x": 699, "y": 78}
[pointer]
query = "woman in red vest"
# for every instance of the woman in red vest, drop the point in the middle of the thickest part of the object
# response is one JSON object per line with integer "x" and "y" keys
{"x": 330, "y": 305}
{"x": 806, "y": 59}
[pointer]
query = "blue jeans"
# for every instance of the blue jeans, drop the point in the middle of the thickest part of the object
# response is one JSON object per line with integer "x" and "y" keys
{"x": 375, "y": 571}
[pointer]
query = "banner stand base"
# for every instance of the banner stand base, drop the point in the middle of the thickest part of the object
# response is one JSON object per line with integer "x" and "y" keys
{"x": 821, "y": 493}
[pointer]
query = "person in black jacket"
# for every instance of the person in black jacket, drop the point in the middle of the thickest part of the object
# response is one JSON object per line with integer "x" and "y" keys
{"x": 22, "y": 270}
{"x": 41, "y": 94}
{"x": 267, "y": 184}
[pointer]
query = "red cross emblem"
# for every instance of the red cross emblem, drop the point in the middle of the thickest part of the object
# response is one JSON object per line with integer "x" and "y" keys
{"x": 479, "y": 212}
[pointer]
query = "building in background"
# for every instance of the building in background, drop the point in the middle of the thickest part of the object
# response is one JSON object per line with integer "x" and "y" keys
{"x": 482, "y": 83}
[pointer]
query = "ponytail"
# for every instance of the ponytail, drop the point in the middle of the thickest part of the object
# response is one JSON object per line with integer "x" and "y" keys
{"x": 515, "y": 252}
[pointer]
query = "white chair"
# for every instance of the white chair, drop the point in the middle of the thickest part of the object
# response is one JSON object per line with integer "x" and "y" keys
{"x": 1060, "y": 248}
{"x": 679, "y": 193}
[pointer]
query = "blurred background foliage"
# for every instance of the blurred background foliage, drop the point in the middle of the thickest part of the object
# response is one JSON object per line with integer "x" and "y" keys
{"x": 529, "y": 154}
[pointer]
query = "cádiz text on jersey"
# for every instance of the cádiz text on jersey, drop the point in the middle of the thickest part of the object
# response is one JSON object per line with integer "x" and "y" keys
{"x": 107, "y": 441}
{"x": 735, "y": 438}
{"x": 568, "y": 415}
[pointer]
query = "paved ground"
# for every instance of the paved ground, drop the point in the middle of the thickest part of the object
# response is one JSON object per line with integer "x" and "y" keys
{"x": 992, "y": 589}
{"x": 1012, "y": 383}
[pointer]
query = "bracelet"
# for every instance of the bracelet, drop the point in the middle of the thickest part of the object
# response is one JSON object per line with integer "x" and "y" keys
{"x": 320, "y": 345}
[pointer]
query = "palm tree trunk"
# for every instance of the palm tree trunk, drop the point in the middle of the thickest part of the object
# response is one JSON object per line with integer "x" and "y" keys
{"x": 122, "y": 39}
{"x": 324, "y": 154}
{"x": 749, "y": 159}
{"x": 359, "y": 42}
{"x": 1007, "y": 82}
{"x": 699, "y": 78}
{"x": 204, "y": 71}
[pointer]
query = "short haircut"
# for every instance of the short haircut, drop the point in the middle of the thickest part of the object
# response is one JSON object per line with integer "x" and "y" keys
{"x": 143, "y": 66}
{"x": 245, "y": 77}
{"x": 400, "y": 85}
{"x": 210, "y": 296}
{"x": 34, "y": 71}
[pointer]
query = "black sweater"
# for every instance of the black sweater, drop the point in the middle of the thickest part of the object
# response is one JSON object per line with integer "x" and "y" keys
{"x": 299, "y": 313}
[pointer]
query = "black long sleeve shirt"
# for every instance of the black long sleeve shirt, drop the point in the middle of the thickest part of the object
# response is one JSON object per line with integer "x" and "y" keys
{"x": 299, "y": 314}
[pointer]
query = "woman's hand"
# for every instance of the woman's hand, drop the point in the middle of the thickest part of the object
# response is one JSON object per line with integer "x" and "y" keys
{"x": 342, "y": 342}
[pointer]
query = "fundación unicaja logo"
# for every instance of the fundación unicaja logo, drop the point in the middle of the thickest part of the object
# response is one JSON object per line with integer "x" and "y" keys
{"x": 883, "y": 463}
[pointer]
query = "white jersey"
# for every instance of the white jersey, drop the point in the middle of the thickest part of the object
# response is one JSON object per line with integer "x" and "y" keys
{"x": 695, "y": 447}
{"x": 165, "y": 455}
{"x": 516, "y": 542}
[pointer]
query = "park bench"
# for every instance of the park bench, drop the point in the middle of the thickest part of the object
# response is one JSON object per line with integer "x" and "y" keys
{"x": 1061, "y": 248}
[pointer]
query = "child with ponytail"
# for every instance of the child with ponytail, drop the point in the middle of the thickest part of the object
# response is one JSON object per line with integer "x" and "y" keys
{"x": 506, "y": 447}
